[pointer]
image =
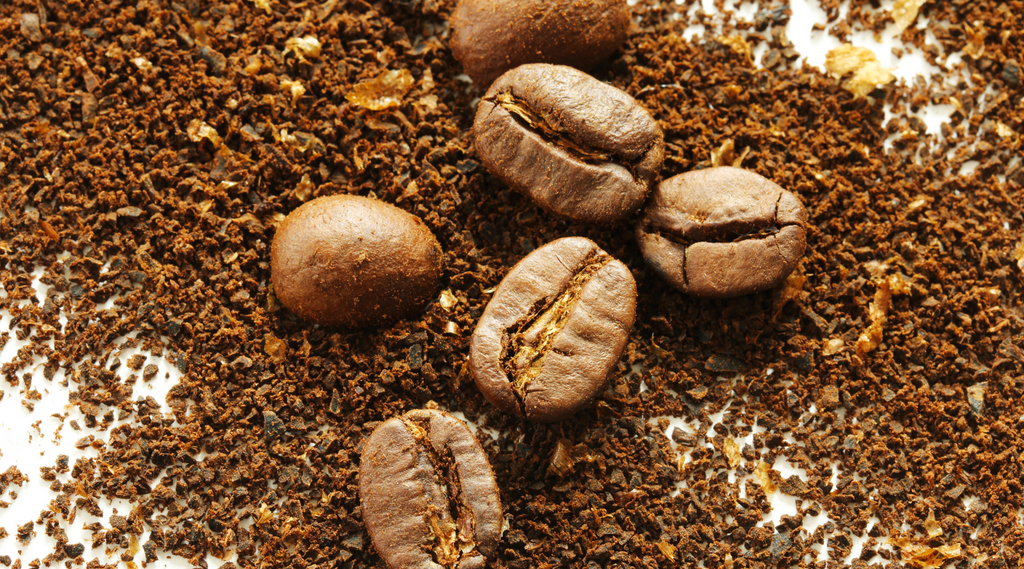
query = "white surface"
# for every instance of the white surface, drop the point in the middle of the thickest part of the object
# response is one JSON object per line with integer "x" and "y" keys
{"x": 31, "y": 446}
{"x": 32, "y": 440}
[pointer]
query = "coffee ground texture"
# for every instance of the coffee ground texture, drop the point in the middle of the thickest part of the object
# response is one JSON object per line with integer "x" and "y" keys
{"x": 149, "y": 149}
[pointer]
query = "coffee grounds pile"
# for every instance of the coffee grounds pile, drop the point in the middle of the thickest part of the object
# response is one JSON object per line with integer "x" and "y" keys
{"x": 159, "y": 143}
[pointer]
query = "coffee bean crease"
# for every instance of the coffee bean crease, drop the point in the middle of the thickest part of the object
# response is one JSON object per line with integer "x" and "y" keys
{"x": 520, "y": 109}
{"x": 524, "y": 357}
{"x": 449, "y": 543}
{"x": 428, "y": 495}
{"x": 555, "y": 328}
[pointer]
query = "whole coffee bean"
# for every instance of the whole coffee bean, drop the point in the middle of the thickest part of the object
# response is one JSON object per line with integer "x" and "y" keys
{"x": 722, "y": 232}
{"x": 428, "y": 495}
{"x": 576, "y": 146}
{"x": 351, "y": 261}
{"x": 490, "y": 37}
{"x": 556, "y": 326}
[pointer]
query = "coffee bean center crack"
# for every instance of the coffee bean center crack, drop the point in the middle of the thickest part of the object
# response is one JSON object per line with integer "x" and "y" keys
{"x": 533, "y": 341}
{"x": 712, "y": 233}
{"x": 723, "y": 236}
{"x": 451, "y": 530}
{"x": 521, "y": 110}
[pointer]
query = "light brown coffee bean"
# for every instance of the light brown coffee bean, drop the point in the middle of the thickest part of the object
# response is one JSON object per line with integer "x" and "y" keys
{"x": 722, "y": 232}
{"x": 576, "y": 146}
{"x": 556, "y": 326}
{"x": 428, "y": 495}
{"x": 352, "y": 261}
{"x": 490, "y": 37}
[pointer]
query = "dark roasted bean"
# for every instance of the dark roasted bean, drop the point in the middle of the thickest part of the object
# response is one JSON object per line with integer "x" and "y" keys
{"x": 428, "y": 494}
{"x": 490, "y": 37}
{"x": 555, "y": 327}
{"x": 351, "y": 261}
{"x": 574, "y": 145}
{"x": 722, "y": 232}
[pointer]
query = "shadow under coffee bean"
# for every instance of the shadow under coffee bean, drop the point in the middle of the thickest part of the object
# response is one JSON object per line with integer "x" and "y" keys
{"x": 555, "y": 327}
{"x": 576, "y": 146}
{"x": 722, "y": 232}
{"x": 428, "y": 494}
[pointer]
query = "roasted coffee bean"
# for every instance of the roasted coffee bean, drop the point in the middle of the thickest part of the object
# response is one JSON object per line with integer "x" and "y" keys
{"x": 576, "y": 146}
{"x": 555, "y": 327}
{"x": 490, "y": 37}
{"x": 351, "y": 261}
{"x": 722, "y": 232}
{"x": 428, "y": 494}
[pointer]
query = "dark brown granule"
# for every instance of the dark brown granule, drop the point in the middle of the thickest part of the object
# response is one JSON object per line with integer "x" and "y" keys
{"x": 97, "y": 160}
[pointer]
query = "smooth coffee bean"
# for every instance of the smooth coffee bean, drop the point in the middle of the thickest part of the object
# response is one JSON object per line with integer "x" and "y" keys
{"x": 490, "y": 37}
{"x": 576, "y": 146}
{"x": 722, "y": 232}
{"x": 556, "y": 326}
{"x": 428, "y": 495}
{"x": 351, "y": 261}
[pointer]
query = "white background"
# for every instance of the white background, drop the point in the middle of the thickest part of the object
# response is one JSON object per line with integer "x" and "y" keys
{"x": 31, "y": 447}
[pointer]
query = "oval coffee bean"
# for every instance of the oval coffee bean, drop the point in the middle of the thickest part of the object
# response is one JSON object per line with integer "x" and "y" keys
{"x": 351, "y": 261}
{"x": 428, "y": 495}
{"x": 556, "y": 326}
{"x": 576, "y": 146}
{"x": 489, "y": 37}
{"x": 722, "y": 232}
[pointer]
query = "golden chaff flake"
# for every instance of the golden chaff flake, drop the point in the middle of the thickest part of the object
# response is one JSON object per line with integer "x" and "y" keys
{"x": 304, "y": 47}
{"x": 863, "y": 66}
{"x": 878, "y": 311}
{"x": 263, "y": 5}
{"x": 198, "y": 130}
{"x": 667, "y": 549}
{"x": 739, "y": 45}
{"x": 904, "y": 12}
{"x": 933, "y": 527}
{"x": 275, "y": 348}
{"x": 1004, "y": 131}
{"x": 302, "y": 141}
{"x": 382, "y": 92}
{"x": 924, "y": 556}
{"x": 833, "y": 347}
{"x": 448, "y": 300}
{"x": 763, "y": 474}
{"x": 295, "y": 88}
{"x": 304, "y": 190}
{"x": 732, "y": 453}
